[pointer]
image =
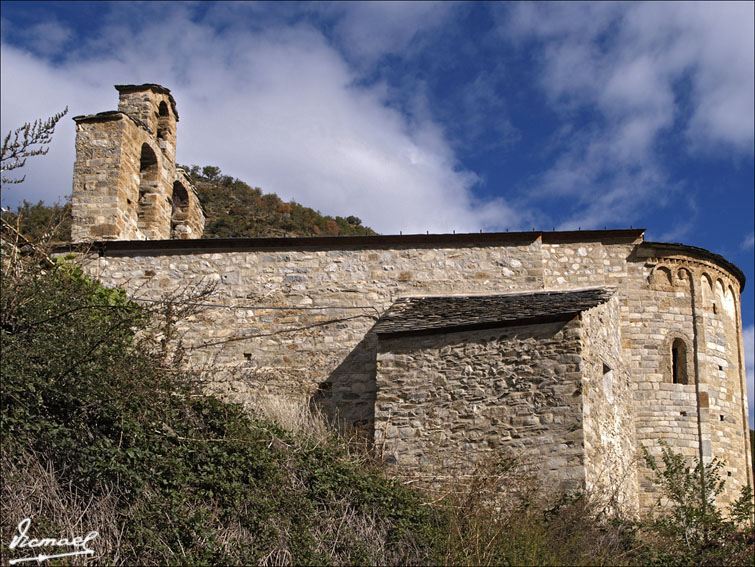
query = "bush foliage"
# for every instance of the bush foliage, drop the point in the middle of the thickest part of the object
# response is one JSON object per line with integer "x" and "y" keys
{"x": 87, "y": 391}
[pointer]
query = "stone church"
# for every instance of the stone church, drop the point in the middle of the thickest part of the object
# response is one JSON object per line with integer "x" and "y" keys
{"x": 568, "y": 349}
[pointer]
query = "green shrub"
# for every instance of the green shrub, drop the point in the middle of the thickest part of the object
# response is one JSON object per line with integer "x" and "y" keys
{"x": 690, "y": 529}
{"x": 88, "y": 391}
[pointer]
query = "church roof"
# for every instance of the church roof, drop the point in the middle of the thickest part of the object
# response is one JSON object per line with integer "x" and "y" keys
{"x": 215, "y": 245}
{"x": 444, "y": 314}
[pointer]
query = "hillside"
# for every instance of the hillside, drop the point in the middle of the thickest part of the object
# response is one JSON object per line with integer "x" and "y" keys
{"x": 234, "y": 209}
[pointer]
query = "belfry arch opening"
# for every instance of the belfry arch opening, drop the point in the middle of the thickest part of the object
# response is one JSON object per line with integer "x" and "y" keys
{"x": 163, "y": 121}
{"x": 679, "y": 362}
{"x": 148, "y": 184}
{"x": 180, "y": 210}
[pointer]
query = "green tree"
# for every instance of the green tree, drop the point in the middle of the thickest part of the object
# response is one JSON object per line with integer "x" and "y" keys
{"x": 39, "y": 222}
{"x": 694, "y": 530}
{"x": 211, "y": 172}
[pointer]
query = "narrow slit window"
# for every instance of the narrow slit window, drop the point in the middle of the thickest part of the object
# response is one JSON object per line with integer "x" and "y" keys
{"x": 608, "y": 382}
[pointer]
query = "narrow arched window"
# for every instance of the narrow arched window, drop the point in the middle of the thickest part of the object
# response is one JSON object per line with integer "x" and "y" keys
{"x": 679, "y": 362}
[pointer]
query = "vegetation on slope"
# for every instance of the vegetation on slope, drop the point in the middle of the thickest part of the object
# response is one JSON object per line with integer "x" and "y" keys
{"x": 91, "y": 394}
{"x": 235, "y": 210}
{"x": 39, "y": 222}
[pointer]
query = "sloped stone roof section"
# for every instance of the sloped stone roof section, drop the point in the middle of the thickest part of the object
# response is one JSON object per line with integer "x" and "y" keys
{"x": 108, "y": 116}
{"x": 445, "y": 314}
{"x": 100, "y": 116}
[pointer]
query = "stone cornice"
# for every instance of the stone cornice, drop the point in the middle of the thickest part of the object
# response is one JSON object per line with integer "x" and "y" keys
{"x": 663, "y": 252}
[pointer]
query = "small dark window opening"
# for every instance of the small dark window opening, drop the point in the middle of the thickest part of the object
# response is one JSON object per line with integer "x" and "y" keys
{"x": 683, "y": 413}
{"x": 679, "y": 362}
{"x": 248, "y": 356}
{"x": 722, "y": 417}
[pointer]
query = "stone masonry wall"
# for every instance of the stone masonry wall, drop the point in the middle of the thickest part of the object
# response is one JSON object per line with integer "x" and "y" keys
{"x": 608, "y": 409}
{"x": 448, "y": 402}
{"x": 321, "y": 347}
{"x": 99, "y": 189}
{"x": 327, "y": 351}
{"x": 296, "y": 320}
{"x": 722, "y": 377}
{"x": 585, "y": 264}
{"x": 670, "y": 298}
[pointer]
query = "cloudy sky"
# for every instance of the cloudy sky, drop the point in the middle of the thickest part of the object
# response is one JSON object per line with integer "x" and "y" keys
{"x": 422, "y": 116}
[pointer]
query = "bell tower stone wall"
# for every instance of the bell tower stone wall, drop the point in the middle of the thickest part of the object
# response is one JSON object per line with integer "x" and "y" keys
{"x": 126, "y": 185}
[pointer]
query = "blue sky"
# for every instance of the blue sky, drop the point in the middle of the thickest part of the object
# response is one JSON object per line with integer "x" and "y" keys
{"x": 422, "y": 116}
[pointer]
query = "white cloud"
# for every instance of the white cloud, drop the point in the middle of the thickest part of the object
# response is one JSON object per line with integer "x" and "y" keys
{"x": 748, "y": 242}
{"x": 278, "y": 109}
{"x": 373, "y": 29}
{"x": 48, "y": 37}
{"x": 647, "y": 69}
{"x": 749, "y": 344}
{"x": 713, "y": 43}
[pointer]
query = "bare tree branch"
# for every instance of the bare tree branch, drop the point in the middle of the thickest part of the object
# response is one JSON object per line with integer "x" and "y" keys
{"x": 31, "y": 139}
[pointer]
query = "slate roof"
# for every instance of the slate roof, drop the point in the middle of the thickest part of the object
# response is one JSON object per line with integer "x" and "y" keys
{"x": 427, "y": 315}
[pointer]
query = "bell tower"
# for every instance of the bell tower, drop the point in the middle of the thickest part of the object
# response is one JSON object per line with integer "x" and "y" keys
{"x": 126, "y": 185}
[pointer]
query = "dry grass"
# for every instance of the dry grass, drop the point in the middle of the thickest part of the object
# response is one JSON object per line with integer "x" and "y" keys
{"x": 501, "y": 514}
{"x": 31, "y": 489}
{"x": 292, "y": 414}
